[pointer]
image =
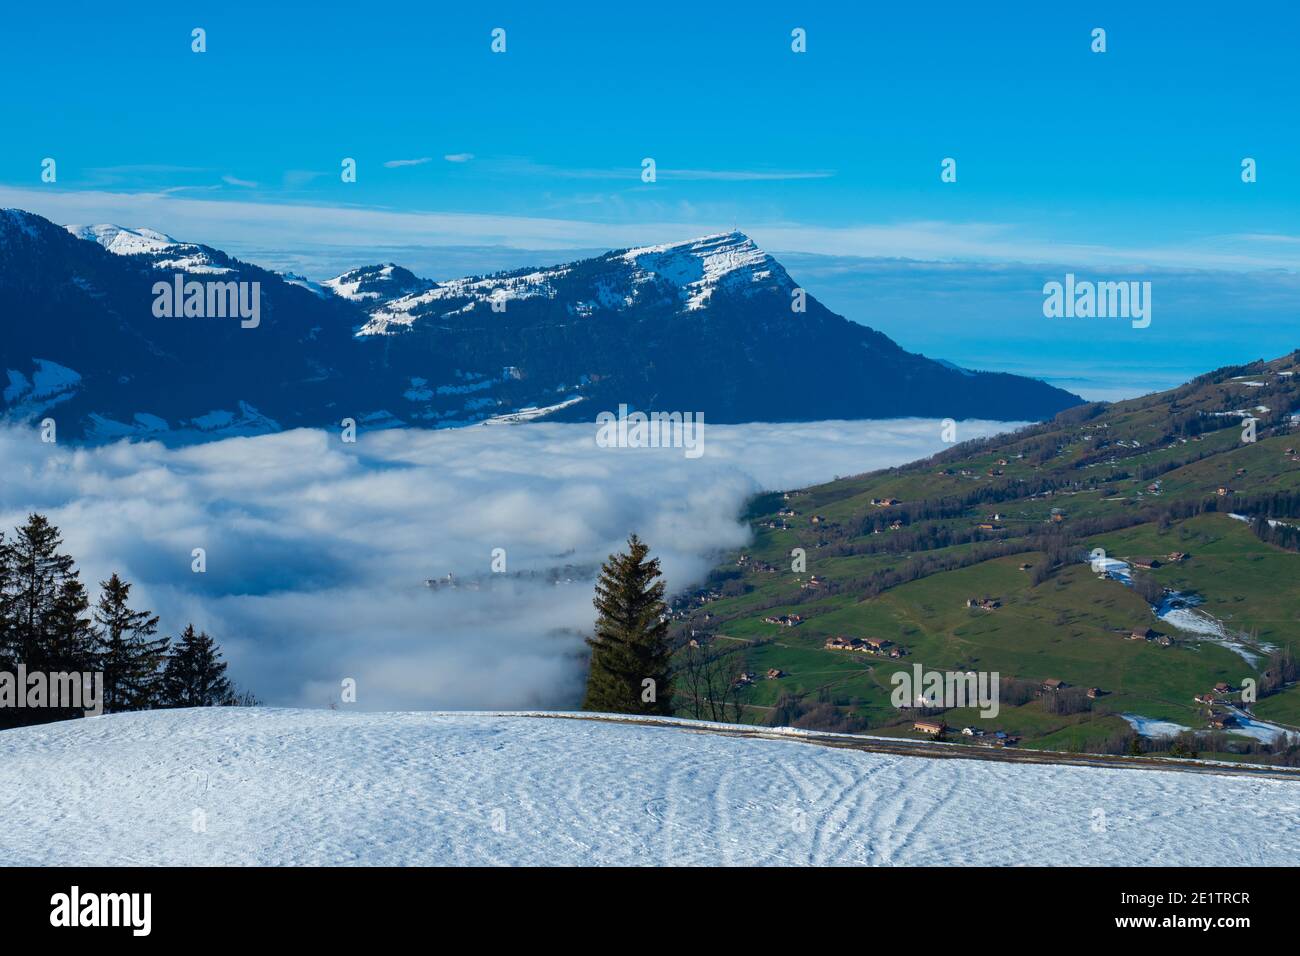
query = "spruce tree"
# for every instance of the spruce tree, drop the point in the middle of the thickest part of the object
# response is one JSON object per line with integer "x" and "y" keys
{"x": 128, "y": 655}
{"x": 630, "y": 644}
{"x": 43, "y": 621}
{"x": 195, "y": 675}
{"x": 35, "y": 591}
{"x": 8, "y": 636}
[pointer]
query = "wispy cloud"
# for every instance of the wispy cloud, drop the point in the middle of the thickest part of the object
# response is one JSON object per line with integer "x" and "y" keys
{"x": 458, "y": 157}
{"x": 395, "y": 163}
{"x": 299, "y": 227}
{"x": 632, "y": 172}
{"x": 234, "y": 181}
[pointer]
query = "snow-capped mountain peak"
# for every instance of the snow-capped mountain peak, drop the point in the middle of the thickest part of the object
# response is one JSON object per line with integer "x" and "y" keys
{"x": 699, "y": 266}
{"x": 376, "y": 284}
{"x": 121, "y": 240}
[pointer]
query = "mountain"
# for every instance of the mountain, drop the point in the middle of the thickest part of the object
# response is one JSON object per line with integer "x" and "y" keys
{"x": 1149, "y": 548}
{"x": 275, "y": 787}
{"x": 703, "y": 326}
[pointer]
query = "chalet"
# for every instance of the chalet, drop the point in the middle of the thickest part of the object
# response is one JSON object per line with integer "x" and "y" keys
{"x": 842, "y": 644}
{"x": 1164, "y": 640}
{"x": 895, "y": 652}
{"x": 896, "y": 526}
{"x": 1174, "y": 557}
{"x": 817, "y": 519}
{"x": 1002, "y": 461}
{"x": 773, "y": 673}
{"x": 930, "y": 726}
{"x": 814, "y": 583}
{"x": 1224, "y": 491}
{"x": 1058, "y": 516}
{"x": 1146, "y": 564}
{"x": 744, "y": 679}
{"x": 968, "y": 731}
{"x": 1142, "y": 634}
{"x": 786, "y": 513}
{"x": 885, "y": 502}
{"x": 1222, "y": 721}
{"x": 1054, "y": 683}
{"x": 987, "y": 526}
{"x": 1207, "y": 698}
{"x": 878, "y": 643}
{"x": 983, "y": 604}
{"x": 1094, "y": 693}
{"x": 784, "y": 620}
{"x": 1223, "y": 687}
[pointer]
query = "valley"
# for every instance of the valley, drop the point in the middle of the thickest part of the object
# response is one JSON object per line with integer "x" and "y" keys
{"x": 1000, "y": 556}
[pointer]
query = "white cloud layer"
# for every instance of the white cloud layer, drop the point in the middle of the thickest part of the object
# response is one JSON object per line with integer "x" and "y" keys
{"x": 317, "y": 550}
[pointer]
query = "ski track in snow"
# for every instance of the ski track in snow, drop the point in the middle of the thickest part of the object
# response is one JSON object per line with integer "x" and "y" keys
{"x": 295, "y": 787}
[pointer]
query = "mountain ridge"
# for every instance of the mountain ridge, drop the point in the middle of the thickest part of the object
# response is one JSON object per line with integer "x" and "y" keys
{"x": 706, "y": 325}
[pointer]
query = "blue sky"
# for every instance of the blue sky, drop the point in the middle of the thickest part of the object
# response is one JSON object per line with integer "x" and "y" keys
{"x": 1128, "y": 158}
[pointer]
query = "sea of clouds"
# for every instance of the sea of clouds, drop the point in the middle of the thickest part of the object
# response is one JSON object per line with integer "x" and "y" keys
{"x": 318, "y": 550}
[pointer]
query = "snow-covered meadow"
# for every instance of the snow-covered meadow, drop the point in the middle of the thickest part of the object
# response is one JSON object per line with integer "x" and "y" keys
{"x": 272, "y": 786}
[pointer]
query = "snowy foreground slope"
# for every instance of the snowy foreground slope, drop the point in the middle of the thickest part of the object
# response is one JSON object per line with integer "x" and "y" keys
{"x": 268, "y": 786}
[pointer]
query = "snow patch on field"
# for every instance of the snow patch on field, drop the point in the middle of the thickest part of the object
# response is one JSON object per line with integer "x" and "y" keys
{"x": 322, "y": 787}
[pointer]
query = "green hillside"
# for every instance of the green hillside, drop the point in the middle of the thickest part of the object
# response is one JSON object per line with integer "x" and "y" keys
{"x": 1073, "y": 534}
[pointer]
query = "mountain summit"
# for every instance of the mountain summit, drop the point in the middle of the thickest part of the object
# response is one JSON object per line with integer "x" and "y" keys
{"x": 713, "y": 325}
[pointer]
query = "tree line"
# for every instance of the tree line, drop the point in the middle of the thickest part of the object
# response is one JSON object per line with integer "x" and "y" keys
{"x": 48, "y": 624}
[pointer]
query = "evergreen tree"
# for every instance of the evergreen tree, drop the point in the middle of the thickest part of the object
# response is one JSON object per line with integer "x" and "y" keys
{"x": 36, "y": 589}
{"x": 43, "y": 621}
{"x": 195, "y": 675}
{"x": 630, "y": 645}
{"x": 128, "y": 655}
{"x": 8, "y": 637}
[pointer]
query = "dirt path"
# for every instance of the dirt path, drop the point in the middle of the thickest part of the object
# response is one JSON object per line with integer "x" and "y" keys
{"x": 916, "y": 748}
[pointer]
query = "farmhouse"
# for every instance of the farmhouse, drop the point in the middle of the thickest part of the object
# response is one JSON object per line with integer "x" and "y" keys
{"x": 1223, "y": 687}
{"x": 1147, "y": 564}
{"x": 1142, "y": 634}
{"x": 1094, "y": 693}
{"x": 930, "y": 726}
{"x": 983, "y": 604}
{"x": 784, "y": 620}
{"x": 1054, "y": 683}
{"x": 773, "y": 673}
